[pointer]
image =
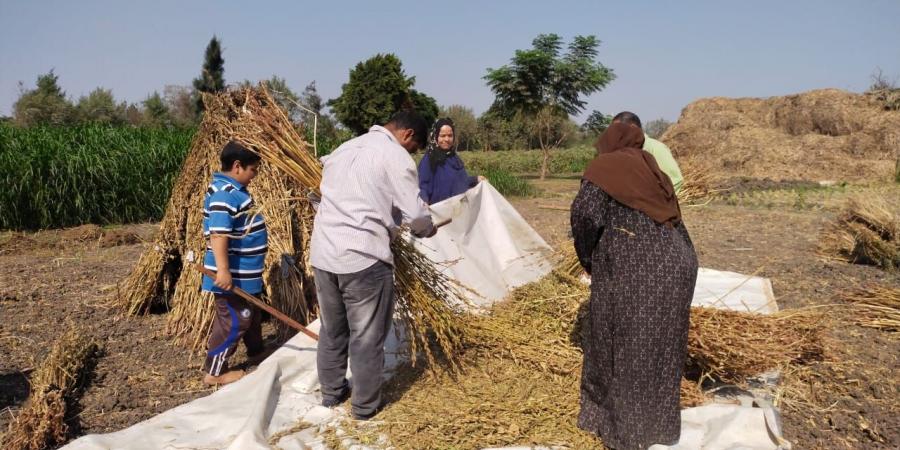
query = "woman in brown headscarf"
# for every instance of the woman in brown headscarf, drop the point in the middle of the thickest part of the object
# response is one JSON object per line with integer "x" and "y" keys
{"x": 629, "y": 237}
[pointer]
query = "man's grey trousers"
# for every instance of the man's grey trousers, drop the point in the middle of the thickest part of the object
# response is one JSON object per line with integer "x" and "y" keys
{"x": 355, "y": 311}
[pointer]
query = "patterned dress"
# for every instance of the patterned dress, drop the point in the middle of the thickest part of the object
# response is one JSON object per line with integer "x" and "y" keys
{"x": 635, "y": 336}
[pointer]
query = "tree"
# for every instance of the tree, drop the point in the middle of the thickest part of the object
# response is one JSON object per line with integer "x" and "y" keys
{"x": 99, "y": 106}
{"x": 212, "y": 78}
{"x": 285, "y": 97}
{"x": 377, "y": 89}
{"x": 180, "y": 102}
{"x": 466, "y": 125}
{"x": 596, "y": 123}
{"x": 656, "y": 128}
{"x": 318, "y": 124}
{"x": 156, "y": 112}
{"x": 545, "y": 87}
{"x": 45, "y": 105}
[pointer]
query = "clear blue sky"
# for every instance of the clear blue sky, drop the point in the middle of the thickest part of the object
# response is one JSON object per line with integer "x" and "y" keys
{"x": 665, "y": 54}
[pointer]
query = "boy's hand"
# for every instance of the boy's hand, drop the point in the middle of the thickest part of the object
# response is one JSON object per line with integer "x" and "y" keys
{"x": 223, "y": 280}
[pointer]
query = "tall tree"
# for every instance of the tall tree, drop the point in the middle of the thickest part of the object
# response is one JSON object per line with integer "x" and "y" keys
{"x": 465, "y": 123}
{"x": 377, "y": 89}
{"x": 596, "y": 123}
{"x": 46, "y": 104}
{"x": 99, "y": 106}
{"x": 156, "y": 111}
{"x": 212, "y": 78}
{"x": 180, "y": 102}
{"x": 545, "y": 87}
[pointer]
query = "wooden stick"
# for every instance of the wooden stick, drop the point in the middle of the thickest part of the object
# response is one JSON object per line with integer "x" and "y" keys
{"x": 440, "y": 224}
{"x": 556, "y": 208}
{"x": 274, "y": 312}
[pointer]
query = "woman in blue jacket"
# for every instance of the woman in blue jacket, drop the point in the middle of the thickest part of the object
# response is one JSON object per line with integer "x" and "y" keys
{"x": 441, "y": 172}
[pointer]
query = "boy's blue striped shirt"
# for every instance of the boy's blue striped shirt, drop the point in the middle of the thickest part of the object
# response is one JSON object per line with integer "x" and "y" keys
{"x": 227, "y": 209}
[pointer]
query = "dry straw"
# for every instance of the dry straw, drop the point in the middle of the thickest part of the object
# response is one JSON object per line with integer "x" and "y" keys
{"x": 877, "y": 306}
{"x": 521, "y": 364}
{"x": 55, "y": 387}
{"x": 866, "y": 232}
{"x": 819, "y": 135}
{"x": 164, "y": 277}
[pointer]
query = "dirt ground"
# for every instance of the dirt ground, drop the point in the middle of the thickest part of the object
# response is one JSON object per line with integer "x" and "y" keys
{"x": 57, "y": 279}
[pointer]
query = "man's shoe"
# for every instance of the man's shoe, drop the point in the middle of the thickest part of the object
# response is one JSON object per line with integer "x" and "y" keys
{"x": 367, "y": 416}
{"x": 332, "y": 402}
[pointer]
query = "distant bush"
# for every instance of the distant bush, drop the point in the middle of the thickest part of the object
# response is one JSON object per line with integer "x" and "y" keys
{"x": 565, "y": 161}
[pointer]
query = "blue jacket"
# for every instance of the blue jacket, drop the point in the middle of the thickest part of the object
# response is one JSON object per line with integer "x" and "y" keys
{"x": 447, "y": 180}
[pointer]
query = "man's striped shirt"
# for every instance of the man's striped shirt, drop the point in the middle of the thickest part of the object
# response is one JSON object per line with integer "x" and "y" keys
{"x": 228, "y": 209}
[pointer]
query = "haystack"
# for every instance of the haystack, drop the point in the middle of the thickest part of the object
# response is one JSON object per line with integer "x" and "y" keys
{"x": 866, "y": 232}
{"x": 164, "y": 276}
{"x": 819, "y": 135}
{"x": 55, "y": 388}
{"x": 425, "y": 297}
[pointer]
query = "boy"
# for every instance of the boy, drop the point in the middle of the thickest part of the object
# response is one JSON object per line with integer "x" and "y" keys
{"x": 236, "y": 249}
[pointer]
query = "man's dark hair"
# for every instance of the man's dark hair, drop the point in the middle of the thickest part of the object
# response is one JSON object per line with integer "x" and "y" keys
{"x": 408, "y": 119}
{"x": 233, "y": 151}
{"x": 628, "y": 117}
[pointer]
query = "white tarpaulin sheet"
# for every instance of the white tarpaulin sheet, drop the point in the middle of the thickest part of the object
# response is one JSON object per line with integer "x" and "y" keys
{"x": 734, "y": 291}
{"x": 489, "y": 248}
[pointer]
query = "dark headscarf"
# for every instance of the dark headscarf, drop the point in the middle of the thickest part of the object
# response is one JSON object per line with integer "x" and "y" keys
{"x": 436, "y": 156}
{"x": 631, "y": 176}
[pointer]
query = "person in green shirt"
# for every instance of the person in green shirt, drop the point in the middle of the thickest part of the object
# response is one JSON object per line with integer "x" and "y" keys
{"x": 660, "y": 151}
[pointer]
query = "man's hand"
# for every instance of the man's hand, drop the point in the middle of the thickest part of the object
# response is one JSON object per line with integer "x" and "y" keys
{"x": 481, "y": 178}
{"x": 433, "y": 232}
{"x": 223, "y": 280}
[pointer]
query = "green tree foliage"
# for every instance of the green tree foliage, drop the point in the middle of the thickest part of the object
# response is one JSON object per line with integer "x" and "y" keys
{"x": 656, "y": 128}
{"x": 317, "y": 120}
{"x": 45, "y": 105}
{"x": 466, "y": 125}
{"x": 156, "y": 111}
{"x": 596, "y": 123}
{"x": 99, "y": 106}
{"x": 544, "y": 86}
{"x": 180, "y": 102}
{"x": 212, "y": 78}
{"x": 377, "y": 89}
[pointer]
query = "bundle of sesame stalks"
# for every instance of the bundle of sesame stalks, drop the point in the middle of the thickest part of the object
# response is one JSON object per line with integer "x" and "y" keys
{"x": 55, "y": 387}
{"x": 731, "y": 346}
{"x": 425, "y": 296}
{"x": 164, "y": 277}
{"x": 866, "y": 232}
{"x": 877, "y": 306}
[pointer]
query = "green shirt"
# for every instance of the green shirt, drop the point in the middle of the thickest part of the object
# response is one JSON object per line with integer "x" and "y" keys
{"x": 665, "y": 160}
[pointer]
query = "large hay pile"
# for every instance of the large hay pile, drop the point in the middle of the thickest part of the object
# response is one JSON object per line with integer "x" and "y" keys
{"x": 425, "y": 297}
{"x": 55, "y": 387}
{"x": 519, "y": 383}
{"x": 819, "y": 135}
{"x": 866, "y": 232}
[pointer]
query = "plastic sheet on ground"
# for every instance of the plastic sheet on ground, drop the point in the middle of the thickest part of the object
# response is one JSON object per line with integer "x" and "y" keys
{"x": 734, "y": 291}
{"x": 488, "y": 247}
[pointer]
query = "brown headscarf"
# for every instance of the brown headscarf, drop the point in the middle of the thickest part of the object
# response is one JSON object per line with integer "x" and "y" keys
{"x": 631, "y": 176}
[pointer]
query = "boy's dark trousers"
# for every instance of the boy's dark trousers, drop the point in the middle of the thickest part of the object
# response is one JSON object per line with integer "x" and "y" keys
{"x": 235, "y": 319}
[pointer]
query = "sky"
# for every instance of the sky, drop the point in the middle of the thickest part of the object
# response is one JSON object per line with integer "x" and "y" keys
{"x": 664, "y": 54}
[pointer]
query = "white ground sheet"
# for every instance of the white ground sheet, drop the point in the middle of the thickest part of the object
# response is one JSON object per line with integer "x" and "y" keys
{"x": 490, "y": 249}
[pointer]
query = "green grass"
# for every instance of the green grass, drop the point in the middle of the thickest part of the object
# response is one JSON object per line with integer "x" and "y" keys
{"x": 63, "y": 176}
{"x": 506, "y": 183}
{"x": 563, "y": 161}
